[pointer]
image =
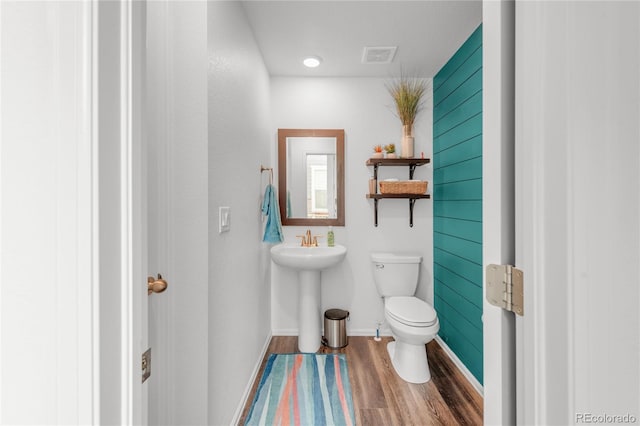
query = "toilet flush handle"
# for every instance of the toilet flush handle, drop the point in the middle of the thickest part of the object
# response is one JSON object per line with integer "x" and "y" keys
{"x": 379, "y": 265}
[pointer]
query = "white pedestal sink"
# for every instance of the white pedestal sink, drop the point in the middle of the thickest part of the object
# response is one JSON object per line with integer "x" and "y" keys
{"x": 309, "y": 262}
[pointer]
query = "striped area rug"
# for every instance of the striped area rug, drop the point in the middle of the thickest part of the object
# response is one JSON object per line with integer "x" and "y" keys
{"x": 303, "y": 389}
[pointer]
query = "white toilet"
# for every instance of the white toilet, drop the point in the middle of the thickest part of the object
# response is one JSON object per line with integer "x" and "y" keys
{"x": 413, "y": 322}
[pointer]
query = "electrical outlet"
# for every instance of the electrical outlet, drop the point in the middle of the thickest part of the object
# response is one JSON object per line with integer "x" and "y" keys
{"x": 146, "y": 365}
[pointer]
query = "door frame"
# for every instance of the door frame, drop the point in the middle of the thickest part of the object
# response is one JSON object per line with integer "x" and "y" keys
{"x": 498, "y": 208}
{"x": 133, "y": 337}
{"x": 498, "y": 205}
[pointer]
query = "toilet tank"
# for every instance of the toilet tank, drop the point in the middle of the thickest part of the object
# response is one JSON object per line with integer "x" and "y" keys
{"x": 395, "y": 274}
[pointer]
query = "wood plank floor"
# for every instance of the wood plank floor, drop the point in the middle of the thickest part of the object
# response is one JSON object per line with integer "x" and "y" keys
{"x": 380, "y": 397}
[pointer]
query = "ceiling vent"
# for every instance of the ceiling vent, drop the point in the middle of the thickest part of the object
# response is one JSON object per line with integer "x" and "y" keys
{"x": 378, "y": 55}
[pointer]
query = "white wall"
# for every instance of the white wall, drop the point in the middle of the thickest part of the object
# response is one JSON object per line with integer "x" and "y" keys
{"x": 364, "y": 109}
{"x": 239, "y": 141}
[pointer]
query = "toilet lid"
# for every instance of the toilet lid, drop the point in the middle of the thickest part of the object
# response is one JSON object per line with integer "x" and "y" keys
{"x": 380, "y": 257}
{"x": 411, "y": 311}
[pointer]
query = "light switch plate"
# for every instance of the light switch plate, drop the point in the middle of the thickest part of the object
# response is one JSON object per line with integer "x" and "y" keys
{"x": 224, "y": 219}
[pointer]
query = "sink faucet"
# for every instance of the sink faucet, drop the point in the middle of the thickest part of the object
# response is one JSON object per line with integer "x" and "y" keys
{"x": 308, "y": 240}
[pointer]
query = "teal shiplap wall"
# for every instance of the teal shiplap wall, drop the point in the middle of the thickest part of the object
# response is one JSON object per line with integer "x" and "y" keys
{"x": 457, "y": 202}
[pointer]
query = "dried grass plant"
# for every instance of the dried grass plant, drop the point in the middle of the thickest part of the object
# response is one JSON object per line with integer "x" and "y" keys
{"x": 407, "y": 92}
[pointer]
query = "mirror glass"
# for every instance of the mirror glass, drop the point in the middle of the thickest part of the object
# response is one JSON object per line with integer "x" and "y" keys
{"x": 311, "y": 176}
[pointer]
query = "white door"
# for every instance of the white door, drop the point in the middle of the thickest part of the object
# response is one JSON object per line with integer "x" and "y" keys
{"x": 158, "y": 209}
{"x": 578, "y": 211}
{"x": 175, "y": 167}
{"x": 49, "y": 248}
{"x": 157, "y": 308}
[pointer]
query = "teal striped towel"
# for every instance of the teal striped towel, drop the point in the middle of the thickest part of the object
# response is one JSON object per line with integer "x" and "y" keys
{"x": 273, "y": 229}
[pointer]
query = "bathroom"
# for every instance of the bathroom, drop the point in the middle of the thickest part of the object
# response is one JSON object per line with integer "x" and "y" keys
{"x": 238, "y": 107}
{"x": 211, "y": 113}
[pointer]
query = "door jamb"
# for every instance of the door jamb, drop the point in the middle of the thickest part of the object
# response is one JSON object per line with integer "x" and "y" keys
{"x": 498, "y": 218}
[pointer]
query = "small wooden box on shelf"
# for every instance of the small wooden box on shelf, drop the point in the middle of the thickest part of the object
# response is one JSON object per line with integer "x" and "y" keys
{"x": 412, "y": 163}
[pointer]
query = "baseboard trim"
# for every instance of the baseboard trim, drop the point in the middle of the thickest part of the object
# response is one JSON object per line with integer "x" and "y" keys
{"x": 368, "y": 332}
{"x": 463, "y": 369}
{"x": 350, "y": 332}
{"x": 252, "y": 379}
{"x": 285, "y": 332}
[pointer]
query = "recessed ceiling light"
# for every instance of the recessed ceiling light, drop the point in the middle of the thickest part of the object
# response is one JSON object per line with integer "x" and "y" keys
{"x": 312, "y": 61}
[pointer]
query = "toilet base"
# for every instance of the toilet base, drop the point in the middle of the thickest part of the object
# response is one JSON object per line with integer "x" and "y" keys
{"x": 409, "y": 361}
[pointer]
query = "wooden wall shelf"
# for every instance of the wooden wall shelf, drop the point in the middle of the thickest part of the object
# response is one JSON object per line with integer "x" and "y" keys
{"x": 412, "y": 163}
{"x": 381, "y": 196}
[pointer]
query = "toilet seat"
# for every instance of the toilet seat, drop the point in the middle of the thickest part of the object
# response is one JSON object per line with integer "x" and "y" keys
{"x": 411, "y": 311}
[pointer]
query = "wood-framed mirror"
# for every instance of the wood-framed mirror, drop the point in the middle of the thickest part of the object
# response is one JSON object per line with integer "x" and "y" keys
{"x": 311, "y": 177}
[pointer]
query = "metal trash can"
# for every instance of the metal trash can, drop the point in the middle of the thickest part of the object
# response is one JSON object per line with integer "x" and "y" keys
{"x": 335, "y": 328}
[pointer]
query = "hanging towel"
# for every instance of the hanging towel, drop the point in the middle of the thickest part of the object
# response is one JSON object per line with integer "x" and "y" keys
{"x": 273, "y": 230}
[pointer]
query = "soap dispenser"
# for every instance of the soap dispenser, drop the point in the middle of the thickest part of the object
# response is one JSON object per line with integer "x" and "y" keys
{"x": 330, "y": 237}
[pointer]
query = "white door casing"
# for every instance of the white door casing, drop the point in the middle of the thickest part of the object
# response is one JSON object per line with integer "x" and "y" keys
{"x": 134, "y": 395}
{"x": 49, "y": 257}
{"x": 498, "y": 204}
{"x": 69, "y": 214}
{"x": 135, "y": 17}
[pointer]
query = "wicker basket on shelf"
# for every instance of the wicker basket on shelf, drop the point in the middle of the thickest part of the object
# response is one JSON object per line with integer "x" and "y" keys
{"x": 403, "y": 187}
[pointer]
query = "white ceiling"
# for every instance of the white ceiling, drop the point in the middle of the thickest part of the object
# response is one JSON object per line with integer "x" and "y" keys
{"x": 426, "y": 32}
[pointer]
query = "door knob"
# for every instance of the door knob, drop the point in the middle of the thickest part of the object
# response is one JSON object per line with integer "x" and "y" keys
{"x": 156, "y": 285}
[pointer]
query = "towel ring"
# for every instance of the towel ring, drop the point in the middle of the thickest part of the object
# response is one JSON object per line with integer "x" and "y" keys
{"x": 270, "y": 170}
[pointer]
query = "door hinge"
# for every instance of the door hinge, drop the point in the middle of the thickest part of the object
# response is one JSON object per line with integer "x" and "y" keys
{"x": 505, "y": 288}
{"x": 146, "y": 365}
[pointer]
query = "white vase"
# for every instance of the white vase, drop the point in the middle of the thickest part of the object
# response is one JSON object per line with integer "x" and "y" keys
{"x": 407, "y": 141}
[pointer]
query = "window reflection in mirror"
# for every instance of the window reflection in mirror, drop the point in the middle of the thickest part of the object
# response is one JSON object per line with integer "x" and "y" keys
{"x": 319, "y": 190}
{"x": 311, "y": 176}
